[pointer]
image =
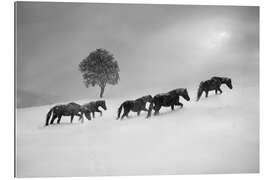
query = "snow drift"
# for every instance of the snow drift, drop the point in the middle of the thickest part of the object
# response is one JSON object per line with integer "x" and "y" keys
{"x": 219, "y": 134}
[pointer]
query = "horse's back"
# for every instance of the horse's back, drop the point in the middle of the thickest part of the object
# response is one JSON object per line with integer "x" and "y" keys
{"x": 165, "y": 99}
{"x": 161, "y": 95}
{"x": 58, "y": 108}
{"x": 74, "y": 105}
{"x": 90, "y": 106}
{"x": 216, "y": 77}
{"x": 177, "y": 91}
{"x": 212, "y": 84}
{"x": 139, "y": 104}
{"x": 128, "y": 103}
{"x": 220, "y": 79}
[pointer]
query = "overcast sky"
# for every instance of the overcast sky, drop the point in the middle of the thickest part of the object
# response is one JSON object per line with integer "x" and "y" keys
{"x": 156, "y": 46}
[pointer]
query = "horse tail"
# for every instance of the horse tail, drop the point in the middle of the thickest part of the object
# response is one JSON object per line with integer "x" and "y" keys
{"x": 119, "y": 110}
{"x": 49, "y": 116}
{"x": 150, "y": 108}
{"x": 200, "y": 91}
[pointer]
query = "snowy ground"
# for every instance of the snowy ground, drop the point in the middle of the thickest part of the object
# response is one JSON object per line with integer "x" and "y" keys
{"x": 219, "y": 134}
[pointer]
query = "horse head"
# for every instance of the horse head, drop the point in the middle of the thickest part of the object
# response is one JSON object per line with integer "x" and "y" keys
{"x": 228, "y": 82}
{"x": 148, "y": 98}
{"x": 181, "y": 92}
{"x": 102, "y": 104}
{"x": 84, "y": 109}
{"x": 185, "y": 95}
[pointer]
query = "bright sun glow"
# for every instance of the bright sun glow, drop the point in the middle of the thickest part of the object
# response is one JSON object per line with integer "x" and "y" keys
{"x": 217, "y": 39}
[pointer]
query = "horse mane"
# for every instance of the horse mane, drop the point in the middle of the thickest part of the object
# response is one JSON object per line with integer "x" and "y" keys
{"x": 147, "y": 96}
{"x": 227, "y": 79}
{"x": 221, "y": 79}
{"x": 224, "y": 80}
{"x": 178, "y": 91}
{"x": 143, "y": 98}
{"x": 228, "y": 82}
{"x": 72, "y": 103}
{"x": 100, "y": 101}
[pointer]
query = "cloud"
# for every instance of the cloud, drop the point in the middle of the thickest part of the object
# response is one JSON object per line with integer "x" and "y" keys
{"x": 155, "y": 45}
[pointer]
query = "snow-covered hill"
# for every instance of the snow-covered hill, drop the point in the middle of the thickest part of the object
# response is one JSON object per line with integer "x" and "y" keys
{"x": 219, "y": 134}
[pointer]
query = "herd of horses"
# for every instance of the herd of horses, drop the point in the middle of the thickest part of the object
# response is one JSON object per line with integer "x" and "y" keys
{"x": 169, "y": 99}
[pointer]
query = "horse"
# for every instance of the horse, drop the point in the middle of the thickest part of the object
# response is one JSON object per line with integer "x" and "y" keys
{"x": 213, "y": 84}
{"x": 93, "y": 106}
{"x": 137, "y": 106}
{"x": 71, "y": 109}
{"x": 170, "y": 98}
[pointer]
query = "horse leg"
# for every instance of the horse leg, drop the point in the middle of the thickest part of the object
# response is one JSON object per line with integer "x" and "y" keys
{"x": 93, "y": 113}
{"x": 59, "y": 119}
{"x": 71, "y": 119}
{"x": 220, "y": 90}
{"x": 81, "y": 117}
{"x": 138, "y": 113}
{"x": 172, "y": 107}
{"x": 125, "y": 113}
{"x": 206, "y": 94}
{"x": 144, "y": 109}
{"x": 88, "y": 115}
{"x": 53, "y": 118}
{"x": 47, "y": 122}
{"x": 99, "y": 112}
{"x": 216, "y": 91}
{"x": 82, "y": 121}
{"x": 157, "y": 108}
{"x": 179, "y": 104}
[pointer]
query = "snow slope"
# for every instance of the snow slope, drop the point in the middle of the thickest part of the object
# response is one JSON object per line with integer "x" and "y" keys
{"x": 219, "y": 134}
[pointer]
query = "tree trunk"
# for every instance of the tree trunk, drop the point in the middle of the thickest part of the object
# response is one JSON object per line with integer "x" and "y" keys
{"x": 102, "y": 88}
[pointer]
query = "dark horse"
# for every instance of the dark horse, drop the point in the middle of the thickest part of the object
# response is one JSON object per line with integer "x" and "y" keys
{"x": 93, "y": 106}
{"x": 213, "y": 84}
{"x": 72, "y": 109}
{"x": 137, "y": 105}
{"x": 167, "y": 99}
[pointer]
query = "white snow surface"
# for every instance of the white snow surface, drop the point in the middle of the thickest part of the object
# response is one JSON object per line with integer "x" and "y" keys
{"x": 218, "y": 134}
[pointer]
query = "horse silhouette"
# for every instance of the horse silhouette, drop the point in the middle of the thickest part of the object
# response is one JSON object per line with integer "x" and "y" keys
{"x": 137, "y": 106}
{"x": 93, "y": 106}
{"x": 170, "y": 98}
{"x": 71, "y": 109}
{"x": 213, "y": 84}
